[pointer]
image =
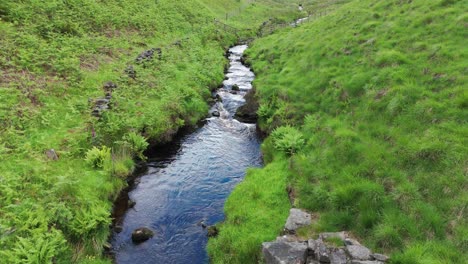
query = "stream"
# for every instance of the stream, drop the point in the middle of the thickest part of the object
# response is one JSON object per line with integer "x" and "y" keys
{"x": 188, "y": 182}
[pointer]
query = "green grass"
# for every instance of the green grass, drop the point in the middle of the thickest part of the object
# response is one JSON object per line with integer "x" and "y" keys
{"x": 55, "y": 56}
{"x": 378, "y": 92}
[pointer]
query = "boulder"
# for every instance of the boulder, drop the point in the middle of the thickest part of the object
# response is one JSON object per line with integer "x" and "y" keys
{"x": 380, "y": 257}
{"x": 284, "y": 252}
{"x": 51, "y": 154}
{"x": 141, "y": 234}
{"x": 247, "y": 113}
{"x": 297, "y": 218}
{"x": 358, "y": 252}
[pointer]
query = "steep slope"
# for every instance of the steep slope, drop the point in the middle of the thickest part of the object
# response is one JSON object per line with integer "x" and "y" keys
{"x": 368, "y": 109}
{"x": 55, "y": 60}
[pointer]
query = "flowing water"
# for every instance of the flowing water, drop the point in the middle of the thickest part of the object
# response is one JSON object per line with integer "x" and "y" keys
{"x": 189, "y": 182}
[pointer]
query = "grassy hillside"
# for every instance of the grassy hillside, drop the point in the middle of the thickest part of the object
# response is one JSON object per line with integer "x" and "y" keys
{"x": 56, "y": 56}
{"x": 368, "y": 107}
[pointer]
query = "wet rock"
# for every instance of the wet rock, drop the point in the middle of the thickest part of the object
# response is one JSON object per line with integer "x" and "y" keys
{"x": 215, "y": 113}
{"x": 379, "y": 257}
{"x": 358, "y": 252}
{"x": 51, "y": 154}
{"x": 248, "y": 112}
{"x": 131, "y": 204}
{"x": 338, "y": 256}
{"x": 284, "y": 252}
{"x": 130, "y": 71}
{"x": 235, "y": 87}
{"x": 118, "y": 228}
{"x": 202, "y": 224}
{"x": 142, "y": 234}
{"x": 212, "y": 231}
{"x": 297, "y": 218}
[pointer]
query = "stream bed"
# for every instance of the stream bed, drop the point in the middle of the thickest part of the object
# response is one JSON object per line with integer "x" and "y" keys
{"x": 188, "y": 182}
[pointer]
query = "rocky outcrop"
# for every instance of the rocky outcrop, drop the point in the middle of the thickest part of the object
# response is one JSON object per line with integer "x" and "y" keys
{"x": 329, "y": 247}
{"x": 142, "y": 234}
{"x": 280, "y": 252}
{"x": 297, "y": 218}
{"x": 248, "y": 112}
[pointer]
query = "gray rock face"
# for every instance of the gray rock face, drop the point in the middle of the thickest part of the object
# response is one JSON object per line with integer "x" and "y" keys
{"x": 284, "y": 252}
{"x": 297, "y": 218}
{"x": 338, "y": 256}
{"x": 142, "y": 234}
{"x": 359, "y": 252}
{"x": 380, "y": 257}
{"x": 287, "y": 238}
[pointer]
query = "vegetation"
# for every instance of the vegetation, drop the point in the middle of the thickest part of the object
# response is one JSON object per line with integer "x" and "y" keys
{"x": 56, "y": 56}
{"x": 372, "y": 99}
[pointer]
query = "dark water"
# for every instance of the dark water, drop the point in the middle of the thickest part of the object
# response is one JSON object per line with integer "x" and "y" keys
{"x": 190, "y": 182}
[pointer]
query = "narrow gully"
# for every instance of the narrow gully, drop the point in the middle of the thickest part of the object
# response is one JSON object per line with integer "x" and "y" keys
{"x": 188, "y": 182}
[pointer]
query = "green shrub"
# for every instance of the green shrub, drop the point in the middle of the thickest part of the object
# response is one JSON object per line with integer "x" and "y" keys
{"x": 137, "y": 143}
{"x": 98, "y": 158}
{"x": 288, "y": 139}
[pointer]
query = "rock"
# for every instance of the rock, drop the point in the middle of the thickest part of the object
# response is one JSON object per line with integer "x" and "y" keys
{"x": 51, "y": 154}
{"x": 297, "y": 218}
{"x": 235, "y": 87}
{"x": 248, "y": 112}
{"x": 118, "y": 228}
{"x": 322, "y": 253}
{"x": 109, "y": 86}
{"x": 284, "y": 252}
{"x": 215, "y": 113}
{"x": 148, "y": 55}
{"x": 130, "y": 71}
{"x": 366, "y": 262}
{"x": 338, "y": 256}
{"x": 359, "y": 252}
{"x": 219, "y": 98}
{"x": 142, "y": 234}
{"x": 212, "y": 231}
{"x": 107, "y": 246}
{"x": 328, "y": 235}
{"x": 131, "y": 204}
{"x": 312, "y": 245}
{"x": 379, "y": 257}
